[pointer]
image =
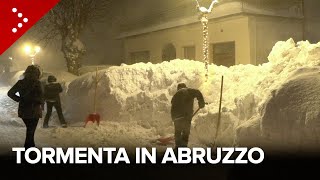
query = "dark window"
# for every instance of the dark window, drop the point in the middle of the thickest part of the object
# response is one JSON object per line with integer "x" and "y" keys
{"x": 140, "y": 56}
{"x": 168, "y": 52}
{"x": 189, "y": 52}
{"x": 224, "y": 54}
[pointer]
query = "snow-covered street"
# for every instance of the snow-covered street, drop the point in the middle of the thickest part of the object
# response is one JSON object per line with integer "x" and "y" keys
{"x": 12, "y": 130}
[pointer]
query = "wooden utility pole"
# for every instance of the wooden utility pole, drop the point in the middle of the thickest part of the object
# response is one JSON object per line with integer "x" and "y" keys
{"x": 303, "y": 20}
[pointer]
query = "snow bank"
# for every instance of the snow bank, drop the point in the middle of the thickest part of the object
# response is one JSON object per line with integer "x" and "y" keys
{"x": 291, "y": 118}
{"x": 142, "y": 92}
{"x": 108, "y": 134}
{"x": 61, "y": 76}
{"x": 86, "y": 69}
{"x": 288, "y": 99}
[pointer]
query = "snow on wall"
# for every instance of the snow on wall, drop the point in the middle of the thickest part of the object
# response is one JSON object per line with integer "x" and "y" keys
{"x": 142, "y": 92}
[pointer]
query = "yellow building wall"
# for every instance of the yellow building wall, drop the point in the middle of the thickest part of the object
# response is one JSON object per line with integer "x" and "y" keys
{"x": 233, "y": 28}
{"x": 266, "y": 31}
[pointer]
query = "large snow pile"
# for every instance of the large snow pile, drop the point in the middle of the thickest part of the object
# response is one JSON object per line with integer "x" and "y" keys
{"x": 287, "y": 112}
{"x": 87, "y": 69}
{"x": 291, "y": 118}
{"x": 141, "y": 93}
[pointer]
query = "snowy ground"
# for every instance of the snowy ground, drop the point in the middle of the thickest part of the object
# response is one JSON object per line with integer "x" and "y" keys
{"x": 134, "y": 102}
{"x": 12, "y": 130}
{"x": 118, "y": 134}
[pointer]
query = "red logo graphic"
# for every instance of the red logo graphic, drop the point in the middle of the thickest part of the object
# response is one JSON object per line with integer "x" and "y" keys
{"x": 18, "y": 16}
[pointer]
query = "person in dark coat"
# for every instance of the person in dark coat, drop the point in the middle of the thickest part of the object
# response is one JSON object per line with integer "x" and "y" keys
{"x": 52, "y": 98}
{"x": 182, "y": 111}
{"x": 30, "y": 98}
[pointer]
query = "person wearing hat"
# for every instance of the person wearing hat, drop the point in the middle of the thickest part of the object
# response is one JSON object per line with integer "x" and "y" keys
{"x": 182, "y": 111}
{"x": 28, "y": 92}
{"x": 52, "y": 98}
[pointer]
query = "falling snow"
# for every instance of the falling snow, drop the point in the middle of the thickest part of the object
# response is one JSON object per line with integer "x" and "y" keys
{"x": 134, "y": 103}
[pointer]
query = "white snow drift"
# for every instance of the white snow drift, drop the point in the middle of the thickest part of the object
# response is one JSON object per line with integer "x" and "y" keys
{"x": 141, "y": 93}
{"x": 273, "y": 105}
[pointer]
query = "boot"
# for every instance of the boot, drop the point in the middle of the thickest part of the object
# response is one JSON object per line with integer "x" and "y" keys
{"x": 64, "y": 125}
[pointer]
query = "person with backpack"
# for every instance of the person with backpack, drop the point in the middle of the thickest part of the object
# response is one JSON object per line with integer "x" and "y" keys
{"x": 52, "y": 99}
{"x": 182, "y": 111}
{"x": 29, "y": 94}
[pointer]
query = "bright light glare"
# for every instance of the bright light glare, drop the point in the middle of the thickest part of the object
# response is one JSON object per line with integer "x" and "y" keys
{"x": 30, "y": 50}
{"x": 27, "y": 49}
{"x": 37, "y": 49}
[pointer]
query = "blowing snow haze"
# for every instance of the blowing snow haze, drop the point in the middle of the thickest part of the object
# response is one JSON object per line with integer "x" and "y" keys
{"x": 134, "y": 103}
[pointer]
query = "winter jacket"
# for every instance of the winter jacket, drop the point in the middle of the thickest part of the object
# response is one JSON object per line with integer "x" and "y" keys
{"x": 52, "y": 91}
{"x": 182, "y": 103}
{"x": 30, "y": 98}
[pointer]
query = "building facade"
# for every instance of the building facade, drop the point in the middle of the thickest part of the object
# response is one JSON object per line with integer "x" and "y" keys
{"x": 240, "y": 31}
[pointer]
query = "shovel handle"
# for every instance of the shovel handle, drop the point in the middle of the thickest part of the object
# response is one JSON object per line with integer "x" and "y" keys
{"x": 195, "y": 112}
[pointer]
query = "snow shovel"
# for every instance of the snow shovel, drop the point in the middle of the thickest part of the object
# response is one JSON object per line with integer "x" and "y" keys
{"x": 219, "y": 114}
{"x": 94, "y": 117}
{"x": 168, "y": 140}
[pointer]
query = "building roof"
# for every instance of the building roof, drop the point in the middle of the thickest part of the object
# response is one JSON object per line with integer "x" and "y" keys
{"x": 287, "y": 8}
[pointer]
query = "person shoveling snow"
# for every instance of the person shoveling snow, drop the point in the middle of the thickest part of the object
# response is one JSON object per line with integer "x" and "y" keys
{"x": 166, "y": 140}
{"x": 52, "y": 98}
{"x": 182, "y": 113}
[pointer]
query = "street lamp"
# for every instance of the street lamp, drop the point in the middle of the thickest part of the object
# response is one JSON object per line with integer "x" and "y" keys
{"x": 32, "y": 51}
